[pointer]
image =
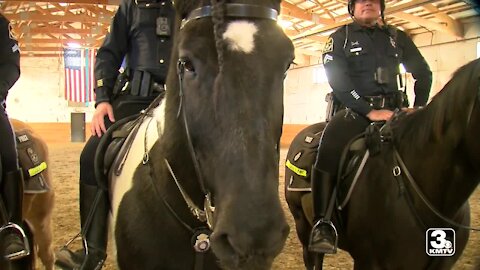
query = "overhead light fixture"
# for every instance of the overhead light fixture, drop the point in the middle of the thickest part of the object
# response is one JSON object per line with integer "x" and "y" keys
{"x": 284, "y": 23}
{"x": 73, "y": 45}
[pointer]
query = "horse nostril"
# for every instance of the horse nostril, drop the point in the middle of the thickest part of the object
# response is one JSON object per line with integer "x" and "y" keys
{"x": 222, "y": 244}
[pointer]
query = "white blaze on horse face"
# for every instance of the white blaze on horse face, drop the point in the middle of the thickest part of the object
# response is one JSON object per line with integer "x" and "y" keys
{"x": 240, "y": 36}
{"x": 150, "y": 130}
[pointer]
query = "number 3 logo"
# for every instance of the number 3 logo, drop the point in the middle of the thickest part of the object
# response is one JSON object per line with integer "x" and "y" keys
{"x": 440, "y": 241}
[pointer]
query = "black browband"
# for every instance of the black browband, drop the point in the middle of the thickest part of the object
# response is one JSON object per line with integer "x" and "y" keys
{"x": 235, "y": 10}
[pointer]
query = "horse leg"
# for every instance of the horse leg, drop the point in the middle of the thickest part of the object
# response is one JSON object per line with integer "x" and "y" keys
{"x": 302, "y": 226}
{"x": 40, "y": 218}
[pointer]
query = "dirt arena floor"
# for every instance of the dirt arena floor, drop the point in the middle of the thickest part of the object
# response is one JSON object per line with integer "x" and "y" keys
{"x": 64, "y": 166}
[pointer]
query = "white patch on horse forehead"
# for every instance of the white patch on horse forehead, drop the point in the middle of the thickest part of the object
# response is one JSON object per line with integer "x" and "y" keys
{"x": 240, "y": 36}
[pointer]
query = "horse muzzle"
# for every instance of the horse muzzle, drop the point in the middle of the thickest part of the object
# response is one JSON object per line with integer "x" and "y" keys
{"x": 240, "y": 243}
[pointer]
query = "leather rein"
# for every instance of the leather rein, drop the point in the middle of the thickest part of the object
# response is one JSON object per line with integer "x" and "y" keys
{"x": 400, "y": 169}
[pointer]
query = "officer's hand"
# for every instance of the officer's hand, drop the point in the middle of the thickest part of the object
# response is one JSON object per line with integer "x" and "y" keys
{"x": 411, "y": 110}
{"x": 379, "y": 115}
{"x": 98, "y": 124}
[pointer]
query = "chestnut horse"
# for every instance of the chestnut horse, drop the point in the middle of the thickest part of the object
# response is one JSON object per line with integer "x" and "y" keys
{"x": 38, "y": 207}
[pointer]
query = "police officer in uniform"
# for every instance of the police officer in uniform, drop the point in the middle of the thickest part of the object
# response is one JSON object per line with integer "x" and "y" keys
{"x": 141, "y": 31}
{"x": 11, "y": 181}
{"x": 361, "y": 61}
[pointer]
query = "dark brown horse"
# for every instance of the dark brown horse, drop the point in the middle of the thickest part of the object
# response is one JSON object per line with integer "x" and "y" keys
{"x": 211, "y": 148}
{"x": 385, "y": 223}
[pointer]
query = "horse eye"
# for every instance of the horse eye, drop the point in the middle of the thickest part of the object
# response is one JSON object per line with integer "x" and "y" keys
{"x": 185, "y": 65}
{"x": 188, "y": 65}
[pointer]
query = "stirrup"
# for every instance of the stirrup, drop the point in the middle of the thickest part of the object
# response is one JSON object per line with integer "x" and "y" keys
{"x": 23, "y": 237}
{"x": 329, "y": 245}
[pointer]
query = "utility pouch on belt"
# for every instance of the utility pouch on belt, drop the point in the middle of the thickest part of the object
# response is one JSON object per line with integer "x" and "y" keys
{"x": 136, "y": 82}
{"x": 142, "y": 84}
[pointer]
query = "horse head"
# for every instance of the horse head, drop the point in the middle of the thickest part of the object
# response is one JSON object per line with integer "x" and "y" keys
{"x": 224, "y": 108}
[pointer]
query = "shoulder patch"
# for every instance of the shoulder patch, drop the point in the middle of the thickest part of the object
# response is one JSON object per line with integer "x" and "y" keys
{"x": 328, "y": 45}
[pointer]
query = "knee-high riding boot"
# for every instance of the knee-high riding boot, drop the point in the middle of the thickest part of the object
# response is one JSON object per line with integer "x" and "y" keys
{"x": 94, "y": 207}
{"x": 94, "y": 201}
{"x": 12, "y": 193}
{"x": 323, "y": 238}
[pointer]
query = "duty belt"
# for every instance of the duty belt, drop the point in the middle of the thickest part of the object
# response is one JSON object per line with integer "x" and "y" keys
{"x": 381, "y": 102}
{"x": 143, "y": 85}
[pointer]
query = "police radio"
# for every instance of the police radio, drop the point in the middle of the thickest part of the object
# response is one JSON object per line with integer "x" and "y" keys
{"x": 163, "y": 27}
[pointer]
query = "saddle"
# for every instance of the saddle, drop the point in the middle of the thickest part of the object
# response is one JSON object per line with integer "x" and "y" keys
{"x": 302, "y": 154}
{"x": 115, "y": 144}
{"x": 32, "y": 163}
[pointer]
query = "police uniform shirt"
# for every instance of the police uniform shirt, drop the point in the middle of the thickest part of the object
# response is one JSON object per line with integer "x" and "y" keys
{"x": 351, "y": 58}
{"x": 9, "y": 58}
{"x": 133, "y": 34}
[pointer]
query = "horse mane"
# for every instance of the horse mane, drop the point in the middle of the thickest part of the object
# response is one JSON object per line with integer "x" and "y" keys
{"x": 446, "y": 116}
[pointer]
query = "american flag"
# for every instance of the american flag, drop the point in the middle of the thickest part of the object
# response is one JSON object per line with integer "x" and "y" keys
{"x": 79, "y": 78}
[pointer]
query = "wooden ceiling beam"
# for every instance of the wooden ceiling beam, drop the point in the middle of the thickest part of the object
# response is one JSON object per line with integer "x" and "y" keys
{"x": 294, "y": 11}
{"x": 454, "y": 27}
{"x": 30, "y": 16}
{"x": 26, "y": 42}
{"x": 88, "y": 2}
{"x": 54, "y": 30}
{"x": 429, "y": 24}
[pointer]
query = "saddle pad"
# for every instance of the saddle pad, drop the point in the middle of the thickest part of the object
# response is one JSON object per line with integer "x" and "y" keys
{"x": 301, "y": 157}
{"x": 32, "y": 163}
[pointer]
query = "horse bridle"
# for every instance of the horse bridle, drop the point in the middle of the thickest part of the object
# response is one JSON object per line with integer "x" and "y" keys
{"x": 232, "y": 10}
